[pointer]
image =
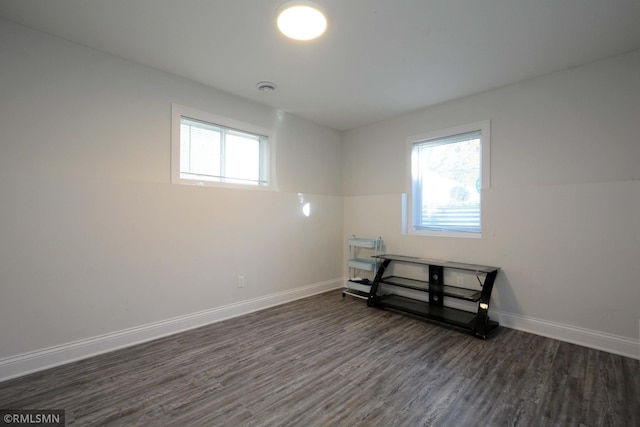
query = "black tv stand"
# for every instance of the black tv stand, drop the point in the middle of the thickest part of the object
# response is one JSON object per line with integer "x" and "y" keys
{"x": 476, "y": 323}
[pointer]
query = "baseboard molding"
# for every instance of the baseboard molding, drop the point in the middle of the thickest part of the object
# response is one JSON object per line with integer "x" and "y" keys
{"x": 23, "y": 364}
{"x": 610, "y": 343}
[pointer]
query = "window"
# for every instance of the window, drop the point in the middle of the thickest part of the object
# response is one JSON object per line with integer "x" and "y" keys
{"x": 212, "y": 150}
{"x": 446, "y": 172}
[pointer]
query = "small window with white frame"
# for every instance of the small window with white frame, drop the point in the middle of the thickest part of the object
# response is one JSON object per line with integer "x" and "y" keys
{"x": 446, "y": 173}
{"x": 207, "y": 149}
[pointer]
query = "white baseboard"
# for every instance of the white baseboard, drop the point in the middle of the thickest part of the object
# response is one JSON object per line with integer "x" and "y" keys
{"x": 23, "y": 364}
{"x": 610, "y": 343}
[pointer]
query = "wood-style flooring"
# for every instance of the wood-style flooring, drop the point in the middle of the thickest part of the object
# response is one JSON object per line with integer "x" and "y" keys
{"x": 333, "y": 361}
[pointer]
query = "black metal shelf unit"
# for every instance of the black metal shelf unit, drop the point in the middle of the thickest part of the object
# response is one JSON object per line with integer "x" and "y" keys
{"x": 477, "y": 323}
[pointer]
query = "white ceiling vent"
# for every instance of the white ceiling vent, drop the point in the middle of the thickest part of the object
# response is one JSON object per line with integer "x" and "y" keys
{"x": 266, "y": 86}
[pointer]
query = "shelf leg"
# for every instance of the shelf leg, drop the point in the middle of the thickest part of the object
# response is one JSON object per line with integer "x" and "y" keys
{"x": 481, "y": 327}
{"x": 436, "y": 281}
{"x": 376, "y": 282}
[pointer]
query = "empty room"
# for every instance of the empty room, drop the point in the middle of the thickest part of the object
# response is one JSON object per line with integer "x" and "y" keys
{"x": 400, "y": 213}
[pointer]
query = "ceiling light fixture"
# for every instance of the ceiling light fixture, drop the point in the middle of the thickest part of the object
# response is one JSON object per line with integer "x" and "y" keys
{"x": 301, "y": 20}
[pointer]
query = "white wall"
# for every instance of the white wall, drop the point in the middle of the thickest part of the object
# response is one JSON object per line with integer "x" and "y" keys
{"x": 95, "y": 240}
{"x": 562, "y": 215}
{"x": 93, "y": 237}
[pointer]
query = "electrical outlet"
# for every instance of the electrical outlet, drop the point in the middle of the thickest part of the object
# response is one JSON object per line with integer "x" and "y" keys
{"x": 460, "y": 280}
{"x": 241, "y": 281}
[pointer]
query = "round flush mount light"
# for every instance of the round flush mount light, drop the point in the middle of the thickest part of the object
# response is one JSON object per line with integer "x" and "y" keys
{"x": 301, "y": 20}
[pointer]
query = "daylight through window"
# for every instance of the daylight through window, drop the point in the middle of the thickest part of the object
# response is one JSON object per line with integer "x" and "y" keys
{"x": 446, "y": 183}
{"x": 211, "y": 153}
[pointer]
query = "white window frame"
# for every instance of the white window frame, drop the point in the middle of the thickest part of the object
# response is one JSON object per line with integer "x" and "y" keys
{"x": 484, "y": 127}
{"x": 267, "y": 161}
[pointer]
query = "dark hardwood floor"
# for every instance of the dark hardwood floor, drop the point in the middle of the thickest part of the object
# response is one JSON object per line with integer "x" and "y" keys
{"x": 329, "y": 361}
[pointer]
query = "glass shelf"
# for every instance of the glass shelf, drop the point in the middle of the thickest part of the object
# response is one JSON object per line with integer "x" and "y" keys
{"x": 421, "y": 285}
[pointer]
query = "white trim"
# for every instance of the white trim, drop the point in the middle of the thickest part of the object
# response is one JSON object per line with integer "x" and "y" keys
{"x": 178, "y": 111}
{"x": 484, "y": 127}
{"x": 610, "y": 343}
{"x": 26, "y": 363}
